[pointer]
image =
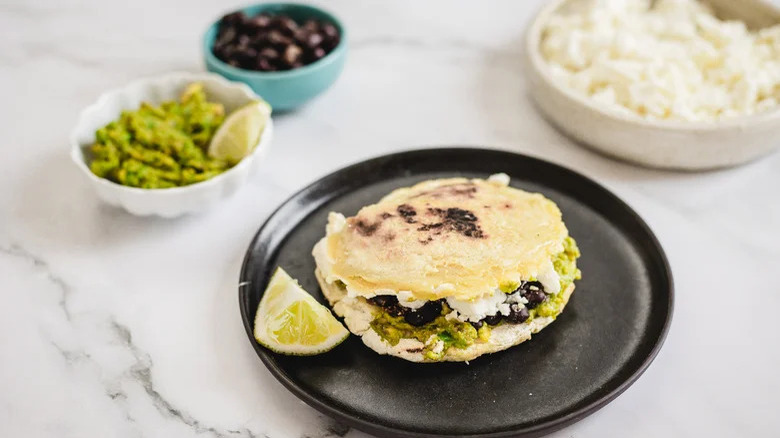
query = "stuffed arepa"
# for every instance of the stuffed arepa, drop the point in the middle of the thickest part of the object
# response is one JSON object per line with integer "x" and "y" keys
{"x": 448, "y": 269}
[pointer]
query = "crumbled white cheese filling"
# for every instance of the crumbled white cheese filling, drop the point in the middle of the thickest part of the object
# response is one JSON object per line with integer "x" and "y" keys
{"x": 406, "y": 299}
{"x": 499, "y": 179}
{"x": 549, "y": 278}
{"x": 477, "y": 310}
{"x": 672, "y": 61}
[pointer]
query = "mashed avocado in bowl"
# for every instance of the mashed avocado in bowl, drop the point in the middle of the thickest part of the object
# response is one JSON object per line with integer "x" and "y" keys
{"x": 163, "y": 146}
{"x": 177, "y": 143}
{"x": 150, "y": 147}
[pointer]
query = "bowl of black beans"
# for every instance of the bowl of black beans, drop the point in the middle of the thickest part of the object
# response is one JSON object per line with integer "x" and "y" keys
{"x": 287, "y": 53}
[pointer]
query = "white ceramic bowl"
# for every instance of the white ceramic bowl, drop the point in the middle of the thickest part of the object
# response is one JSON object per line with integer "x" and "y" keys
{"x": 173, "y": 201}
{"x": 661, "y": 144}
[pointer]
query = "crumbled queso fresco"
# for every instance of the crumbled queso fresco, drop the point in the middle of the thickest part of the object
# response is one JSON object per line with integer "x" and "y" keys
{"x": 672, "y": 61}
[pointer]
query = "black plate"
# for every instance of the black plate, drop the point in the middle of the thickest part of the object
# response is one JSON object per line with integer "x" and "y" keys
{"x": 609, "y": 333}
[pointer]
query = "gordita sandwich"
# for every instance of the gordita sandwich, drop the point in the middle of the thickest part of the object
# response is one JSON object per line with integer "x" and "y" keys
{"x": 448, "y": 269}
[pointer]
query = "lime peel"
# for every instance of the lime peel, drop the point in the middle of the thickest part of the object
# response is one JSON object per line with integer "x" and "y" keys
{"x": 290, "y": 321}
{"x": 240, "y": 133}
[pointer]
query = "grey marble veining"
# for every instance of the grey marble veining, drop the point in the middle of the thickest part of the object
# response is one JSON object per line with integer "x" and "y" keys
{"x": 117, "y": 326}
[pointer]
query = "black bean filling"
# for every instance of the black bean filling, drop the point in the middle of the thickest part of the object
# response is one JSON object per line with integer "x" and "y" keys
{"x": 530, "y": 290}
{"x": 533, "y": 291}
{"x": 416, "y": 317}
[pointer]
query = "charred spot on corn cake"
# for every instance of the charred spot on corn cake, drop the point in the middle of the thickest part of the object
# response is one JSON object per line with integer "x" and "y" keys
{"x": 428, "y": 227}
{"x": 366, "y": 228}
{"x": 454, "y": 219}
{"x": 407, "y": 212}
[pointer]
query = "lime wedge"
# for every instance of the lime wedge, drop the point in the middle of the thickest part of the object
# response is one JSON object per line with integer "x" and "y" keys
{"x": 290, "y": 321}
{"x": 240, "y": 132}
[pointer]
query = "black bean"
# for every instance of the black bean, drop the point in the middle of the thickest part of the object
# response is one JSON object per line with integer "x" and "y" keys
{"x": 535, "y": 297}
{"x": 264, "y": 64}
{"x": 226, "y": 36}
{"x": 243, "y": 41}
{"x": 246, "y": 55}
{"x": 390, "y": 304}
{"x": 226, "y": 53}
{"x": 258, "y": 42}
{"x": 291, "y": 54}
{"x": 268, "y": 42}
{"x": 384, "y": 300}
{"x": 277, "y": 40}
{"x": 233, "y": 19}
{"x": 493, "y": 319}
{"x": 287, "y": 26}
{"x": 269, "y": 53}
{"x": 279, "y": 64}
{"x": 414, "y": 318}
{"x": 311, "y": 25}
{"x": 219, "y": 48}
{"x": 259, "y": 22}
{"x": 330, "y": 30}
{"x": 530, "y": 285}
{"x": 330, "y": 44}
{"x": 517, "y": 314}
{"x": 313, "y": 40}
{"x": 425, "y": 314}
{"x": 317, "y": 53}
{"x": 300, "y": 36}
{"x": 477, "y": 325}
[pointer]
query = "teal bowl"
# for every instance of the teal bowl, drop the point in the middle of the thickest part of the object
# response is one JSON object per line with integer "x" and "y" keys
{"x": 284, "y": 90}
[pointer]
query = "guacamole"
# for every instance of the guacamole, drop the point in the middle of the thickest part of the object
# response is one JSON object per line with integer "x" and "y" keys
{"x": 453, "y": 333}
{"x": 565, "y": 265}
{"x": 458, "y": 334}
{"x": 156, "y": 147}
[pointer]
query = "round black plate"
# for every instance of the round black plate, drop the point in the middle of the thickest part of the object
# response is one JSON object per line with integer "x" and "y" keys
{"x": 609, "y": 333}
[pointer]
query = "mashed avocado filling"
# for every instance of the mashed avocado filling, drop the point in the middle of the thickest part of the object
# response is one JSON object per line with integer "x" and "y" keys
{"x": 458, "y": 334}
{"x": 452, "y": 333}
{"x": 565, "y": 265}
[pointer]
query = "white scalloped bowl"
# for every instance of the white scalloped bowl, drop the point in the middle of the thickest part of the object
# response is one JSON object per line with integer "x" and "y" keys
{"x": 176, "y": 201}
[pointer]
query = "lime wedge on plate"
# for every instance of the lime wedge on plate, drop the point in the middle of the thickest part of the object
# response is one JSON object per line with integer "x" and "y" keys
{"x": 290, "y": 321}
{"x": 240, "y": 132}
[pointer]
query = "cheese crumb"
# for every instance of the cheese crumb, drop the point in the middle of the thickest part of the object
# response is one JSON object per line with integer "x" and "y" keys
{"x": 499, "y": 179}
{"x": 672, "y": 61}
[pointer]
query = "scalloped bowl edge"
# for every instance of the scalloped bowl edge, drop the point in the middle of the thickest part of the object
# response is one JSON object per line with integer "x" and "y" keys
{"x": 176, "y": 201}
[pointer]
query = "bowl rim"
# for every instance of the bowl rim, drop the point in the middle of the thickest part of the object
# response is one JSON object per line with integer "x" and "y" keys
{"x": 533, "y": 40}
{"x": 329, "y": 58}
{"x": 79, "y": 159}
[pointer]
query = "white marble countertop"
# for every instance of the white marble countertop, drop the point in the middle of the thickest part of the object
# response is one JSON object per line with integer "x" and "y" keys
{"x": 118, "y": 326}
